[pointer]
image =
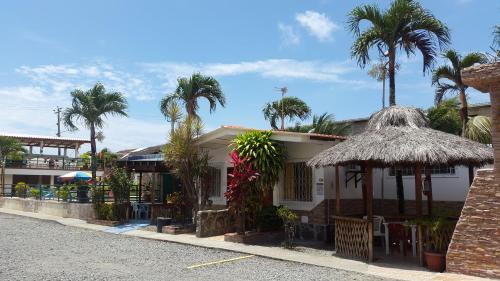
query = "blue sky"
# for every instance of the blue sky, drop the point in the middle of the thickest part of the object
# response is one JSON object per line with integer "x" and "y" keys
{"x": 140, "y": 47}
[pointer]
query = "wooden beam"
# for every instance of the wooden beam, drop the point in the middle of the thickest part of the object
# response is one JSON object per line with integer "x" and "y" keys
{"x": 418, "y": 189}
{"x": 337, "y": 190}
{"x": 428, "y": 173}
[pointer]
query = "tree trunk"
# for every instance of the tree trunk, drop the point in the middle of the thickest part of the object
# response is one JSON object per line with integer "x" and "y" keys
{"x": 400, "y": 191}
{"x": 2, "y": 179}
{"x": 383, "y": 92}
{"x": 392, "y": 74}
{"x": 242, "y": 216}
{"x": 93, "y": 151}
{"x": 172, "y": 128}
{"x": 464, "y": 114}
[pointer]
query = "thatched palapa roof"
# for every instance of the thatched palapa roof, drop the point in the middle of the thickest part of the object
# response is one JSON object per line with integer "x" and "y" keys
{"x": 401, "y": 136}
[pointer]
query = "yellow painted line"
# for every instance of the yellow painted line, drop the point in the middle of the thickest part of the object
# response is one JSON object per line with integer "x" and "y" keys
{"x": 221, "y": 261}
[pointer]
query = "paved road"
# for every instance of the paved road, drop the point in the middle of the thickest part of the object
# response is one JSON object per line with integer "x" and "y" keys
{"x": 31, "y": 249}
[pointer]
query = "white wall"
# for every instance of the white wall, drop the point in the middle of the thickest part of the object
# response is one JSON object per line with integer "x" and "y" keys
{"x": 444, "y": 187}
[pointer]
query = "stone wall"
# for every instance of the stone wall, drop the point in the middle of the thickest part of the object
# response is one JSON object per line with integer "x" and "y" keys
{"x": 213, "y": 223}
{"x": 475, "y": 246}
{"x": 84, "y": 211}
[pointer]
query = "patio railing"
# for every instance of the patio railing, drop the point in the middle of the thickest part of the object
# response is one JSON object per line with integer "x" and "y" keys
{"x": 69, "y": 193}
{"x": 51, "y": 162}
{"x": 353, "y": 237}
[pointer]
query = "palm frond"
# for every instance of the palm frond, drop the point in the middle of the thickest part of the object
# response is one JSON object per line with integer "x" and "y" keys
{"x": 444, "y": 72}
{"x": 370, "y": 13}
{"x": 473, "y": 58}
{"x": 478, "y": 129}
{"x": 442, "y": 89}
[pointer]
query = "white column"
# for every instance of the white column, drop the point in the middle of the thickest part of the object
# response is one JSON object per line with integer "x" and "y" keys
{"x": 41, "y": 147}
{"x": 77, "y": 147}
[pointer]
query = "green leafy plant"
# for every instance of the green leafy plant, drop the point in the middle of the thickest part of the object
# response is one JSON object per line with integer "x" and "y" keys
{"x": 35, "y": 193}
{"x": 445, "y": 116}
{"x": 439, "y": 229}
{"x": 289, "y": 219}
{"x": 266, "y": 155}
{"x": 62, "y": 193}
{"x": 21, "y": 189}
{"x": 268, "y": 219}
{"x": 188, "y": 163}
{"x": 120, "y": 182}
{"x": 8, "y": 146}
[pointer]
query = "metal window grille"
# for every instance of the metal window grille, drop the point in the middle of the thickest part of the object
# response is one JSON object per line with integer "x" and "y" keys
{"x": 298, "y": 182}
{"x": 436, "y": 170}
{"x": 214, "y": 181}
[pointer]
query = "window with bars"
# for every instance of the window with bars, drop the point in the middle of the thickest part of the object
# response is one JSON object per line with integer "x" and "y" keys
{"x": 213, "y": 180}
{"x": 297, "y": 182}
{"x": 436, "y": 170}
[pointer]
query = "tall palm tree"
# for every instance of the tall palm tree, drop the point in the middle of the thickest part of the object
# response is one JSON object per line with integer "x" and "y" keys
{"x": 190, "y": 90}
{"x": 452, "y": 72}
{"x": 380, "y": 72}
{"x": 405, "y": 25}
{"x": 287, "y": 107}
{"x": 8, "y": 146}
{"x": 90, "y": 108}
{"x": 172, "y": 111}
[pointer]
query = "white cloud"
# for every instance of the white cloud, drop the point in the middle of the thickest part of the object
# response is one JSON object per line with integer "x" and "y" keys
{"x": 271, "y": 68}
{"x": 62, "y": 79}
{"x": 289, "y": 36}
{"x": 318, "y": 25}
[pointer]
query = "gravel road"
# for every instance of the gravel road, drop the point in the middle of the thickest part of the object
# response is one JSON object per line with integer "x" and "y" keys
{"x": 40, "y": 250}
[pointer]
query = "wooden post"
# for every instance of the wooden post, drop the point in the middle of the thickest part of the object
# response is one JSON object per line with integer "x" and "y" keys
{"x": 369, "y": 191}
{"x": 337, "y": 190}
{"x": 418, "y": 189}
{"x": 140, "y": 188}
{"x": 420, "y": 245}
{"x": 370, "y": 240}
{"x": 428, "y": 173}
{"x": 369, "y": 209}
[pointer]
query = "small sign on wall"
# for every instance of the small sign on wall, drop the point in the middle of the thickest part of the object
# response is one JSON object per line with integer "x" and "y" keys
{"x": 304, "y": 219}
{"x": 320, "y": 187}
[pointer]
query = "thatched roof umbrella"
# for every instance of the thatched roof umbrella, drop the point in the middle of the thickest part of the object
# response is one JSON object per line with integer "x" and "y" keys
{"x": 401, "y": 136}
{"x": 397, "y": 136}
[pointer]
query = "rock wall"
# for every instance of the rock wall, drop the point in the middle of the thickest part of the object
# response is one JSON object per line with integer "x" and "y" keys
{"x": 475, "y": 246}
{"x": 84, "y": 211}
{"x": 213, "y": 223}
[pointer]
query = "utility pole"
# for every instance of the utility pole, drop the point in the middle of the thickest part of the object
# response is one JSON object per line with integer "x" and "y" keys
{"x": 57, "y": 111}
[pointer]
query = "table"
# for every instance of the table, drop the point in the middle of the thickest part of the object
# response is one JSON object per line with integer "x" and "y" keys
{"x": 413, "y": 236}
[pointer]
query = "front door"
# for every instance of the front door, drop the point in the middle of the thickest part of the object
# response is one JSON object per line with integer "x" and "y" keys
{"x": 168, "y": 185}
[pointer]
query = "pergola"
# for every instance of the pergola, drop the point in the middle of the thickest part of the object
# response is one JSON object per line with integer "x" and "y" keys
{"x": 395, "y": 137}
{"x": 48, "y": 141}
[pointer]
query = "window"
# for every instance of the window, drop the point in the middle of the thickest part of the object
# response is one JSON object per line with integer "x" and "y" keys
{"x": 212, "y": 179}
{"x": 437, "y": 170}
{"x": 297, "y": 182}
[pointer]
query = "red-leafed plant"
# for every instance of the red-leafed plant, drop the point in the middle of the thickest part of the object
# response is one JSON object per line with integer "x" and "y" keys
{"x": 241, "y": 180}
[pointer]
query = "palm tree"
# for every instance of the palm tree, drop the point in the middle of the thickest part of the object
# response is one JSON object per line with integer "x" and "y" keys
{"x": 287, "y": 107}
{"x": 380, "y": 72}
{"x": 452, "y": 73}
{"x": 91, "y": 107}
{"x": 172, "y": 111}
{"x": 406, "y": 25}
{"x": 8, "y": 146}
{"x": 190, "y": 90}
{"x": 322, "y": 124}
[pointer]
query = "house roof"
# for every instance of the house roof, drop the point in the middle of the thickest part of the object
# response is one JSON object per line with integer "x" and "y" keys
{"x": 225, "y": 134}
{"x": 48, "y": 141}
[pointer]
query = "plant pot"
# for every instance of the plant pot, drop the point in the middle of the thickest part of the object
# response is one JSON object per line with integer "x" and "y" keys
{"x": 435, "y": 261}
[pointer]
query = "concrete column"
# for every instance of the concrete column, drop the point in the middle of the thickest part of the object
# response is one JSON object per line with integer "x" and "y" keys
{"x": 77, "y": 147}
{"x": 41, "y": 147}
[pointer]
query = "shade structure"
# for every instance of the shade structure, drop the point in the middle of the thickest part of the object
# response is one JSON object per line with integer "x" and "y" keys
{"x": 401, "y": 136}
{"x": 75, "y": 176}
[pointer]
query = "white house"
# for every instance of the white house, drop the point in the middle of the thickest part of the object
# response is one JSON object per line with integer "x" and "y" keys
{"x": 311, "y": 191}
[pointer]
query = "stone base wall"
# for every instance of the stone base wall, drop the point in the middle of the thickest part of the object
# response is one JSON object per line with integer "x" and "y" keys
{"x": 213, "y": 223}
{"x": 83, "y": 211}
{"x": 475, "y": 246}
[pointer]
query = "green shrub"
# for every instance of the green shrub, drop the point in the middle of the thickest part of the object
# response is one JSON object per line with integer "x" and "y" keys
{"x": 268, "y": 219}
{"x": 104, "y": 211}
{"x": 289, "y": 219}
{"x": 21, "y": 189}
{"x": 62, "y": 193}
{"x": 35, "y": 192}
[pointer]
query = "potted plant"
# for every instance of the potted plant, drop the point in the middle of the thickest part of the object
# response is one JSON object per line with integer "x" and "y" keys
{"x": 439, "y": 231}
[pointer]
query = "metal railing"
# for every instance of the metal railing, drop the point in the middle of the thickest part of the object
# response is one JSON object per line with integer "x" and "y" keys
{"x": 71, "y": 193}
{"x": 50, "y": 162}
